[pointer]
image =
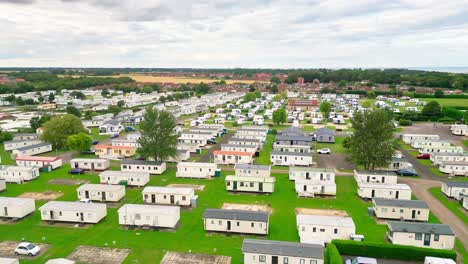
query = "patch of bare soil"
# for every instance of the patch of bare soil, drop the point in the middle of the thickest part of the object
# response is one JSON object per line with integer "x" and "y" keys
{"x": 310, "y": 211}
{"x": 99, "y": 255}
{"x": 193, "y": 186}
{"x": 44, "y": 196}
{"x": 247, "y": 207}
{"x": 190, "y": 258}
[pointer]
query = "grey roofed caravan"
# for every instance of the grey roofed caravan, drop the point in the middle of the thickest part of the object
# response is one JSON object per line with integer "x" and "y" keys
{"x": 325, "y": 135}
{"x": 141, "y": 162}
{"x": 457, "y": 184}
{"x": 281, "y": 248}
{"x": 236, "y": 215}
{"x": 400, "y": 203}
{"x": 424, "y": 228}
{"x": 252, "y": 167}
{"x": 292, "y": 134}
{"x": 33, "y": 146}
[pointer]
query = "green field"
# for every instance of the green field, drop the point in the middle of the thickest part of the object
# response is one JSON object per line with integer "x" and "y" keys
{"x": 149, "y": 246}
{"x": 451, "y": 204}
{"x": 448, "y": 102}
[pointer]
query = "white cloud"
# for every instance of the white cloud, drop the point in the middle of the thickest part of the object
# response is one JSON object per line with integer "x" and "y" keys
{"x": 229, "y": 33}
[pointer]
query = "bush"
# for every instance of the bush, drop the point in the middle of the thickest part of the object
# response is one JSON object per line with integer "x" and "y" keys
{"x": 389, "y": 251}
{"x": 446, "y": 120}
{"x": 333, "y": 255}
{"x": 274, "y": 131}
{"x": 404, "y": 122}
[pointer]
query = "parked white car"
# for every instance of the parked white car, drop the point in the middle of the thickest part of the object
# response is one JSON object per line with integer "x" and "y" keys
{"x": 361, "y": 260}
{"x": 26, "y": 248}
{"x": 324, "y": 151}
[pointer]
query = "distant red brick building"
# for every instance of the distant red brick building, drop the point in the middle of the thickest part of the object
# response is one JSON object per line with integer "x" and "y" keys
{"x": 302, "y": 104}
{"x": 300, "y": 81}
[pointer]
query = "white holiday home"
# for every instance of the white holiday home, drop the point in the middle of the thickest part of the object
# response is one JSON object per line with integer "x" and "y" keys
{"x": 320, "y": 229}
{"x": 33, "y": 149}
{"x": 73, "y": 212}
{"x": 200, "y": 170}
{"x": 250, "y": 184}
{"x": 236, "y": 221}
{"x": 291, "y": 158}
{"x": 233, "y": 157}
{"x": 455, "y": 190}
{"x": 25, "y": 136}
{"x": 375, "y": 176}
{"x": 446, "y": 149}
{"x": 436, "y": 143}
{"x": 408, "y": 210}
{"x": 437, "y": 158}
{"x": 436, "y": 236}
{"x": 101, "y": 192}
{"x": 384, "y": 191}
{"x": 258, "y": 251}
{"x": 242, "y": 148}
{"x": 90, "y": 164}
{"x": 46, "y": 163}
{"x": 311, "y": 173}
{"x": 149, "y": 215}
{"x": 124, "y": 177}
{"x": 17, "y": 208}
{"x": 407, "y": 138}
{"x": 14, "y": 144}
{"x": 252, "y": 170}
{"x": 459, "y": 168}
{"x": 312, "y": 188}
{"x": 2, "y": 185}
{"x": 170, "y": 196}
{"x": 147, "y": 166}
{"x": 18, "y": 174}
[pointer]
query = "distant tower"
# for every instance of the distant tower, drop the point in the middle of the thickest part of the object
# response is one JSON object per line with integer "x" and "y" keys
{"x": 300, "y": 81}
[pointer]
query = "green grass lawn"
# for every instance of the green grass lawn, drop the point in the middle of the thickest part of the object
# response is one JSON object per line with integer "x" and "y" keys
{"x": 451, "y": 204}
{"x": 337, "y": 147}
{"x": 5, "y": 157}
{"x": 150, "y": 246}
{"x": 264, "y": 157}
{"x": 95, "y": 134}
{"x": 448, "y": 102}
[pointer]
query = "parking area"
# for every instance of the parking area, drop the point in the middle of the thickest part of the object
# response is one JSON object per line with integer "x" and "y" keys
{"x": 189, "y": 258}
{"x": 7, "y": 249}
{"x": 335, "y": 160}
{"x": 439, "y": 129}
{"x": 387, "y": 261}
{"x": 99, "y": 255}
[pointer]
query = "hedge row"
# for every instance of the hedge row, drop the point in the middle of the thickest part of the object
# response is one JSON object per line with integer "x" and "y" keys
{"x": 332, "y": 255}
{"x": 389, "y": 251}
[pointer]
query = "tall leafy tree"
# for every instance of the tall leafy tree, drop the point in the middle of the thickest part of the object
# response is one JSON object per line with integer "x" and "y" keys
{"x": 58, "y": 129}
{"x": 158, "y": 140}
{"x": 36, "y": 122}
{"x": 372, "y": 144}
{"x": 438, "y": 93}
{"x": 279, "y": 116}
{"x": 79, "y": 142}
{"x": 432, "y": 109}
{"x": 73, "y": 111}
{"x": 325, "y": 108}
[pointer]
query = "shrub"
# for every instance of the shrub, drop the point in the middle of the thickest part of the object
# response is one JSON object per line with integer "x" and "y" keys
{"x": 334, "y": 256}
{"x": 446, "y": 120}
{"x": 390, "y": 251}
{"x": 274, "y": 131}
{"x": 404, "y": 122}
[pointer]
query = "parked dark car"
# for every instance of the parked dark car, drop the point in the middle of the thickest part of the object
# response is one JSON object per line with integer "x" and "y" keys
{"x": 130, "y": 129}
{"x": 211, "y": 142}
{"x": 404, "y": 172}
{"x": 114, "y": 136}
{"x": 423, "y": 156}
{"x": 95, "y": 142}
{"x": 76, "y": 171}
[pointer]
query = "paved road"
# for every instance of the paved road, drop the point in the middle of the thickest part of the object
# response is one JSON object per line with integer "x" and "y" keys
{"x": 335, "y": 160}
{"x": 224, "y": 140}
{"x": 422, "y": 170}
{"x": 420, "y": 188}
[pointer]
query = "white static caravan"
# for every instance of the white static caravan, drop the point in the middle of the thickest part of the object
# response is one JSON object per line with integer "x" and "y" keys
{"x": 101, "y": 192}
{"x": 250, "y": 184}
{"x": 446, "y": 149}
{"x": 90, "y": 164}
{"x": 311, "y": 188}
{"x": 18, "y": 174}
{"x": 182, "y": 155}
{"x": 267, "y": 251}
{"x": 459, "y": 130}
{"x": 233, "y": 157}
{"x": 191, "y": 147}
{"x": 320, "y": 229}
{"x": 242, "y": 148}
{"x": 311, "y": 173}
{"x": 291, "y": 158}
{"x": 149, "y": 215}
{"x": 261, "y": 138}
{"x": 151, "y": 167}
{"x": 73, "y": 212}
{"x": 199, "y": 170}
{"x": 263, "y": 129}
{"x": 407, "y": 210}
{"x": 236, "y": 221}
{"x": 186, "y": 140}
{"x": 214, "y": 132}
{"x": 14, "y": 144}
{"x": 434, "y": 260}
{"x": 16, "y": 208}
{"x": 436, "y": 143}
{"x": 455, "y": 190}
{"x": 2, "y": 185}
{"x": 241, "y": 141}
{"x": 375, "y": 176}
{"x": 9, "y": 261}
{"x": 384, "y": 191}
{"x": 25, "y": 136}
{"x": 436, "y": 236}
{"x": 130, "y": 178}
{"x": 306, "y": 148}
{"x": 33, "y": 149}
{"x": 454, "y": 168}
{"x": 60, "y": 261}
{"x": 170, "y": 196}
{"x": 437, "y": 158}
{"x": 407, "y": 138}
{"x": 45, "y": 163}
{"x": 252, "y": 170}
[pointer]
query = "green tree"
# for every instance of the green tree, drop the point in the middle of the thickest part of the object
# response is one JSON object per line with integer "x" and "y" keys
{"x": 36, "y": 122}
{"x": 432, "y": 109}
{"x": 371, "y": 95}
{"x": 275, "y": 79}
{"x": 73, "y": 111}
{"x": 274, "y": 89}
{"x": 325, "y": 108}
{"x": 341, "y": 84}
{"x": 438, "y": 93}
{"x": 58, "y": 129}
{"x": 5, "y": 136}
{"x": 80, "y": 142}
{"x": 279, "y": 116}
{"x": 51, "y": 97}
{"x": 121, "y": 103}
{"x": 114, "y": 109}
{"x": 40, "y": 99}
{"x": 325, "y": 90}
{"x": 372, "y": 144}
{"x": 366, "y": 104}
{"x": 411, "y": 89}
{"x": 105, "y": 93}
{"x": 158, "y": 140}
{"x": 452, "y": 113}
{"x": 78, "y": 95}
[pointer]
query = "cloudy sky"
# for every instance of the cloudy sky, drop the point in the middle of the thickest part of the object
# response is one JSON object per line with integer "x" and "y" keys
{"x": 229, "y": 33}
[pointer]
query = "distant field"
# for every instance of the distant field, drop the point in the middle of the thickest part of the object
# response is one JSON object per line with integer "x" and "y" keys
{"x": 145, "y": 78}
{"x": 449, "y": 102}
